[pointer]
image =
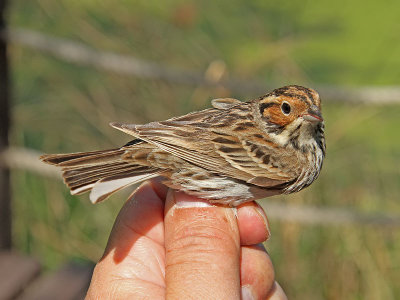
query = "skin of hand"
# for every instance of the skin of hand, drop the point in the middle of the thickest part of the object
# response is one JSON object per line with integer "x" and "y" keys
{"x": 168, "y": 245}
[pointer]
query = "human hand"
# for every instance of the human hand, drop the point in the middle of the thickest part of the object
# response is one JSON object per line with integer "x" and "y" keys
{"x": 175, "y": 246}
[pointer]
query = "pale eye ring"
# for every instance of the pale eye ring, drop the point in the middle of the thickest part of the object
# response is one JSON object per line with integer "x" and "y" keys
{"x": 286, "y": 108}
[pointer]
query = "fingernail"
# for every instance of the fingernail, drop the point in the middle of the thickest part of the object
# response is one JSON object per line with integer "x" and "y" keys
{"x": 183, "y": 200}
{"x": 246, "y": 293}
{"x": 277, "y": 293}
{"x": 261, "y": 212}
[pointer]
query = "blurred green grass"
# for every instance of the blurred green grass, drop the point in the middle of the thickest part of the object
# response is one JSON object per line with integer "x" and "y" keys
{"x": 59, "y": 107}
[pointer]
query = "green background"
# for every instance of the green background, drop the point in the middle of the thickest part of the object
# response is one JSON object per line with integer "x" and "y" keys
{"x": 61, "y": 107}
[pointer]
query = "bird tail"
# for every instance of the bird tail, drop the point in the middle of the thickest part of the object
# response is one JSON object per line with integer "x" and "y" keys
{"x": 101, "y": 172}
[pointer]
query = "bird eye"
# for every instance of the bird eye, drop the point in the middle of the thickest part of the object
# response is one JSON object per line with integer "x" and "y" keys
{"x": 286, "y": 108}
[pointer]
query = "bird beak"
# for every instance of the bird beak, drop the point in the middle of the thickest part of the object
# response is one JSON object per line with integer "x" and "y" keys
{"x": 313, "y": 115}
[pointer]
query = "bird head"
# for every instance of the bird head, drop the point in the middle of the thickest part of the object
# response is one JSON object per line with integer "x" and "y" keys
{"x": 290, "y": 112}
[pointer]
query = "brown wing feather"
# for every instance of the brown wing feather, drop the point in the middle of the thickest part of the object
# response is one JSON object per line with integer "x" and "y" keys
{"x": 214, "y": 150}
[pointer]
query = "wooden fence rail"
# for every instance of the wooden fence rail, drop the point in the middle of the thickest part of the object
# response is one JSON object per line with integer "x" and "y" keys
{"x": 79, "y": 53}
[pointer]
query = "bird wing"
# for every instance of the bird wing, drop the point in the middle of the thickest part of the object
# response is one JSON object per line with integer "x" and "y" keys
{"x": 181, "y": 143}
{"x": 196, "y": 138}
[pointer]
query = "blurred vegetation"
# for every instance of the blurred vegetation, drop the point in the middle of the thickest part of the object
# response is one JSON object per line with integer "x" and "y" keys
{"x": 59, "y": 107}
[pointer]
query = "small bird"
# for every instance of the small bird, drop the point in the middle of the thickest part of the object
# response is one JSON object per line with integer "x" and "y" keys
{"x": 229, "y": 154}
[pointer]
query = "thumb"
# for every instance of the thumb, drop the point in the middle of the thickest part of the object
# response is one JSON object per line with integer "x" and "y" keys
{"x": 202, "y": 249}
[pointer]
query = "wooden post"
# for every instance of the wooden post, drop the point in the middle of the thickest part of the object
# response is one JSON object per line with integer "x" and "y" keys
{"x": 5, "y": 195}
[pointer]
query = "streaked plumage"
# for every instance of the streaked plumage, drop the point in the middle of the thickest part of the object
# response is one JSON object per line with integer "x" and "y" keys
{"x": 231, "y": 153}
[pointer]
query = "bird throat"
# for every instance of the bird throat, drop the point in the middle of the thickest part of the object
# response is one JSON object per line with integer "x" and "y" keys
{"x": 300, "y": 135}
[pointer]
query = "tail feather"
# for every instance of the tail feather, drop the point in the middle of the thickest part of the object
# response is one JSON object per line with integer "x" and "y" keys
{"x": 58, "y": 159}
{"x": 101, "y": 172}
{"x": 126, "y": 172}
{"x": 105, "y": 187}
{"x": 83, "y": 171}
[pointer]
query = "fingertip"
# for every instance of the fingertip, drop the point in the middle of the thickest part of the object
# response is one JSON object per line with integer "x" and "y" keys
{"x": 141, "y": 215}
{"x": 134, "y": 260}
{"x": 253, "y": 224}
{"x": 256, "y": 272}
{"x": 158, "y": 186}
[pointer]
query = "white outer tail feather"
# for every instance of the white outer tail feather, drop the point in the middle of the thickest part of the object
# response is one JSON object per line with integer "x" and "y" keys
{"x": 102, "y": 189}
